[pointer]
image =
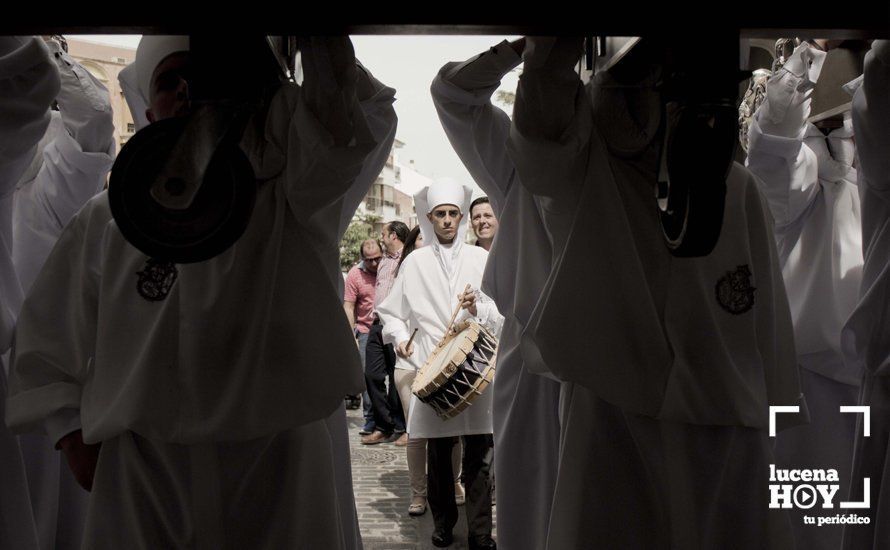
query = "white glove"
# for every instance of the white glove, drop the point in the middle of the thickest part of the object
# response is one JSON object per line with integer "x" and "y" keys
{"x": 789, "y": 93}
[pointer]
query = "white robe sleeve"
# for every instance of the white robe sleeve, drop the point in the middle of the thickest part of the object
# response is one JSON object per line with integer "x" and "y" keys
{"x": 777, "y": 154}
{"x": 29, "y": 81}
{"x": 487, "y": 315}
{"x": 85, "y": 105}
{"x": 74, "y": 166}
{"x": 339, "y": 139}
{"x": 376, "y": 101}
{"x": 56, "y": 335}
{"x": 552, "y": 119}
{"x": 477, "y": 129}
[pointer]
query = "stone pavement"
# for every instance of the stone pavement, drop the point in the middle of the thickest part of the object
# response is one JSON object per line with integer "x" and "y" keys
{"x": 382, "y": 494}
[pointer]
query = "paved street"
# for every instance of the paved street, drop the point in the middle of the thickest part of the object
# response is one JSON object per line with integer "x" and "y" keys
{"x": 382, "y": 494}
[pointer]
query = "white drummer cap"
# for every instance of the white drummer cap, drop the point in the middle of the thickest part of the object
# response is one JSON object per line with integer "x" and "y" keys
{"x": 441, "y": 191}
{"x": 445, "y": 191}
{"x": 135, "y": 78}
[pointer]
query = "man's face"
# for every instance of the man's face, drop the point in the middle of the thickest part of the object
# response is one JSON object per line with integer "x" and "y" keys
{"x": 446, "y": 219}
{"x": 169, "y": 96}
{"x": 372, "y": 257}
{"x": 485, "y": 225}
{"x": 387, "y": 237}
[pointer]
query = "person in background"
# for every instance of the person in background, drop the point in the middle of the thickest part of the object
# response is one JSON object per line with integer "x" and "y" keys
{"x": 423, "y": 298}
{"x": 413, "y": 242}
{"x": 405, "y": 372}
{"x": 484, "y": 222}
{"x": 358, "y": 303}
{"x": 380, "y": 359}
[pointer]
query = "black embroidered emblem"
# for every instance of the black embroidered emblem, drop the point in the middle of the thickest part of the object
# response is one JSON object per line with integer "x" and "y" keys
{"x": 734, "y": 291}
{"x": 156, "y": 279}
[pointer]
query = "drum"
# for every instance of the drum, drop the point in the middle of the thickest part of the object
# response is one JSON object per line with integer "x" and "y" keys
{"x": 457, "y": 371}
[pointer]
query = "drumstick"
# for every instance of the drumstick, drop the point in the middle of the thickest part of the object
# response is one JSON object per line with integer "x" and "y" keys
{"x": 454, "y": 315}
{"x": 413, "y": 334}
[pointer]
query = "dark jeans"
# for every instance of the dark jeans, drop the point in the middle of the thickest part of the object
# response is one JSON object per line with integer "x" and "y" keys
{"x": 362, "y": 338}
{"x": 380, "y": 363}
{"x": 476, "y": 476}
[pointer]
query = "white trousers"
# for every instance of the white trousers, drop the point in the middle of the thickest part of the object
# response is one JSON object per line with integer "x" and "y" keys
{"x": 417, "y": 445}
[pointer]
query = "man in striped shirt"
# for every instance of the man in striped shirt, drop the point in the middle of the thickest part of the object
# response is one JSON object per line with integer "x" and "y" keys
{"x": 380, "y": 359}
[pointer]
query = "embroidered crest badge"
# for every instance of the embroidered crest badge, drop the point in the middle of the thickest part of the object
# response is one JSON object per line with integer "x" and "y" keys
{"x": 734, "y": 291}
{"x": 156, "y": 279}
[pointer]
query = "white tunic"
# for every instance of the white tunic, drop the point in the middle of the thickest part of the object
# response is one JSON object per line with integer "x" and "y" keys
{"x": 670, "y": 363}
{"x": 29, "y": 81}
{"x": 222, "y": 353}
{"x": 866, "y": 336}
{"x": 423, "y": 297}
{"x": 526, "y": 405}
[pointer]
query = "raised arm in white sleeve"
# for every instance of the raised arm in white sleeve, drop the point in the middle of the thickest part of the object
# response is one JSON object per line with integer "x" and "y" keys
{"x": 552, "y": 119}
{"x": 330, "y": 138}
{"x": 477, "y": 129}
{"x": 376, "y": 102}
{"x": 29, "y": 81}
{"x": 71, "y": 168}
{"x": 777, "y": 154}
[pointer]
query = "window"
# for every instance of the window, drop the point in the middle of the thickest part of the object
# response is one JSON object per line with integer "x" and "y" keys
{"x": 131, "y": 127}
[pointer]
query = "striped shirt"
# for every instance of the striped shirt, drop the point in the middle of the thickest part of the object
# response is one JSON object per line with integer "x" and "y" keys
{"x": 386, "y": 275}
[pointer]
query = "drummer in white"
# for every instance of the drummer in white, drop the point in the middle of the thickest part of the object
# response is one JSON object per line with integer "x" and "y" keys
{"x": 429, "y": 287}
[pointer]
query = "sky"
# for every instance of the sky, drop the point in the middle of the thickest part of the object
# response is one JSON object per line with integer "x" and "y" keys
{"x": 408, "y": 64}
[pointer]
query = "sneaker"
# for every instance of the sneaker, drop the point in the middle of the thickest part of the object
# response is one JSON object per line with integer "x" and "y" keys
{"x": 368, "y": 428}
{"x": 375, "y": 438}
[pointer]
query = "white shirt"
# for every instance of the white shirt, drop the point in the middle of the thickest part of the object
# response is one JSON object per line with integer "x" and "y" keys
{"x": 424, "y": 297}
{"x": 810, "y": 183}
{"x": 699, "y": 340}
{"x": 225, "y": 349}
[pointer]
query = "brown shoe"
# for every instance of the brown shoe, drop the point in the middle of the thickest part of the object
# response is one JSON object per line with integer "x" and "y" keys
{"x": 401, "y": 441}
{"x": 374, "y": 438}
